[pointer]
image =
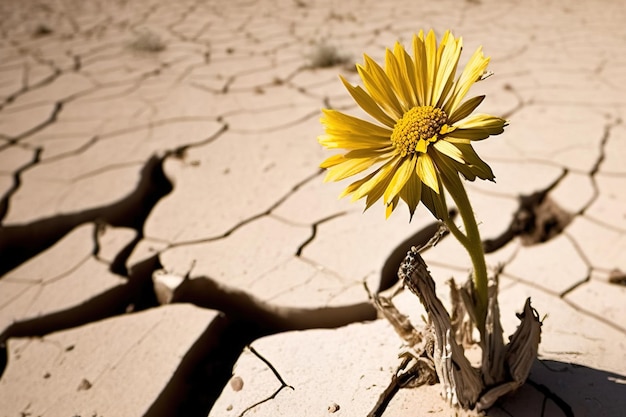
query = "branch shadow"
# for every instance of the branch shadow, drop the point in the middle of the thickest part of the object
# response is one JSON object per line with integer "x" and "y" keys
{"x": 556, "y": 389}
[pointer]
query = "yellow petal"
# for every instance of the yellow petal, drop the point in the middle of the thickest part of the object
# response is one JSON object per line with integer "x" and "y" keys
{"x": 412, "y": 193}
{"x": 336, "y": 121}
{"x": 356, "y": 184}
{"x": 435, "y": 202}
{"x": 477, "y": 165}
{"x": 348, "y": 167}
{"x": 352, "y": 141}
{"x": 332, "y": 161}
{"x": 366, "y": 102}
{"x": 408, "y": 71}
{"x": 445, "y": 129}
{"x": 391, "y": 206}
{"x": 401, "y": 176}
{"x": 421, "y": 72}
{"x": 478, "y": 127}
{"x": 383, "y": 153}
{"x": 465, "y": 109}
{"x": 446, "y": 70}
{"x": 430, "y": 46}
{"x": 379, "y": 87}
{"x": 398, "y": 80}
{"x": 382, "y": 177}
{"x": 446, "y": 164}
{"x": 449, "y": 150}
{"x": 457, "y": 140}
{"x": 427, "y": 172}
{"x": 452, "y": 182}
{"x": 421, "y": 146}
{"x": 380, "y": 186}
{"x": 483, "y": 121}
{"x": 472, "y": 72}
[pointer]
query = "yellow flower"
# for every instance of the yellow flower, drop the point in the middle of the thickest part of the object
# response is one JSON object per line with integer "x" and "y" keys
{"x": 422, "y": 140}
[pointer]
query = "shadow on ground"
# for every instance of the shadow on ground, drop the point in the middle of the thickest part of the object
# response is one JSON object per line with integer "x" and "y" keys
{"x": 556, "y": 389}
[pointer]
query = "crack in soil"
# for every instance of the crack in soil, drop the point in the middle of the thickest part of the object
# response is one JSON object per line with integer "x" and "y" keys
{"x": 598, "y": 164}
{"x": 537, "y": 219}
{"x": 314, "y": 231}
{"x": 283, "y": 384}
{"x": 134, "y": 295}
{"x": 245, "y": 319}
{"x": 56, "y": 73}
{"x": 10, "y": 141}
{"x": 18, "y": 243}
{"x": 250, "y": 219}
{"x": 209, "y": 362}
{"x": 17, "y": 182}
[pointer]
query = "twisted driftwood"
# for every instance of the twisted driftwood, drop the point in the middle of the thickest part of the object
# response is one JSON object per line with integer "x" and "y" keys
{"x": 439, "y": 347}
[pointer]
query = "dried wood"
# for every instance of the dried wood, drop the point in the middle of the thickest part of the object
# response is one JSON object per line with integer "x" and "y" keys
{"x": 504, "y": 368}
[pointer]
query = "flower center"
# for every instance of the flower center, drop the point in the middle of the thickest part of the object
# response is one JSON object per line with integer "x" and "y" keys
{"x": 417, "y": 128}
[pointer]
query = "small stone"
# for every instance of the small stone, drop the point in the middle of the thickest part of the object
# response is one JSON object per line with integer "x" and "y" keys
{"x": 236, "y": 383}
{"x": 165, "y": 285}
{"x": 617, "y": 277}
{"x": 333, "y": 408}
{"x": 84, "y": 385}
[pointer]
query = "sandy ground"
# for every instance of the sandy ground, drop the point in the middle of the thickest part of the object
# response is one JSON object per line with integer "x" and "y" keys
{"x": 180, "y": 137}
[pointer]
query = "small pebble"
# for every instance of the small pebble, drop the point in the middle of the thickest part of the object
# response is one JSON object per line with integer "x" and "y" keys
{"x": 84, "y": 385}
{"x": 236, "y": 383}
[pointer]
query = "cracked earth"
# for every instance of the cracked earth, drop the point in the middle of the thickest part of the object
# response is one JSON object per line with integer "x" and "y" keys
{"x": 167, "y": 246}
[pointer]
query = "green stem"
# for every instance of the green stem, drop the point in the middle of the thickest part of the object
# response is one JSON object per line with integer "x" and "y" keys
{"x": 474, "y": 246}
{"x": 457, "y": 233}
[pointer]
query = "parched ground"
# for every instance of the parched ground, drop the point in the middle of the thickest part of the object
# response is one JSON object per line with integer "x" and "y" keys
{"x": 144, "y": 141}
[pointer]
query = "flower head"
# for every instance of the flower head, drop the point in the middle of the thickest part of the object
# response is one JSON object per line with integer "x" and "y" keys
{"x": 424, "y": 131}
